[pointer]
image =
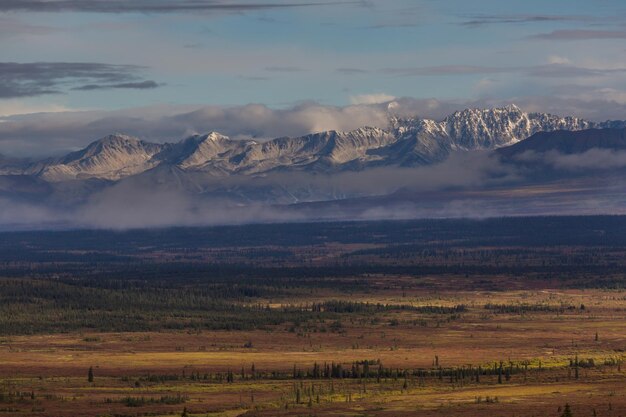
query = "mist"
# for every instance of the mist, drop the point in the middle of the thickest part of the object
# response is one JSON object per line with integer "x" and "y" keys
{"x": 472, "y": 184}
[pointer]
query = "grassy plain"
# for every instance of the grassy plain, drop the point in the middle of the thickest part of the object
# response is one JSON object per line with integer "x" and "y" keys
{"x": 160, "y": 373}
{"x": 503, "y": 317}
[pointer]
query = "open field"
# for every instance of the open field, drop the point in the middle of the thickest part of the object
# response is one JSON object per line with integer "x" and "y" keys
{"x": 191, "y": 368}
{"x": 313, "y": 326}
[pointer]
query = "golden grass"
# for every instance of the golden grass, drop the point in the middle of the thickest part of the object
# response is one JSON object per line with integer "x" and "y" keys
{"x": 54, "y": 367}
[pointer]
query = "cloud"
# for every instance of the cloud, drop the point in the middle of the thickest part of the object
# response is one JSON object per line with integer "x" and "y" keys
{"x": 560, "y": 60}
{"x": 285, "y": 69}
{"x": 459, "y": 171}
{"x": 20, "y": 214}
{"x": 17, "y": 107}
{"x": 10, "y": 27}
{"x": 560, "y": 70}
{"x": 592, "y": 159}
{"x": 486, "y": 19}
{"x": 254, "y": 78}
{"x": 441, "y": 70}
{"x": 141, "y": 85}
{"x": 580, "y": 35}
{"x": 351, "y": 71}
{"x": 60, "y": 132}
{"x": 591, "y": 104}
{"x": 148, "y": 6}
{"x": 123, "y": 207}
{"x": 392, "y": 25}
{"x": 474, "y": 184}
{"x": 44, "y": 134}
{"x": 41, "y": 78}
{"x": 130, "y": 205}
{"x": 142, "y": 201}
{"x": 553, "y": 69}
{"x": 371, "y": 98}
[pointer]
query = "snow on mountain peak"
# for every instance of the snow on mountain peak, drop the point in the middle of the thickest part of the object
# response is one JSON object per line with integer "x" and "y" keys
{"x": 406, "y": 141}
{"x": 112, "y": 157}
{"x": 215, "y": 136}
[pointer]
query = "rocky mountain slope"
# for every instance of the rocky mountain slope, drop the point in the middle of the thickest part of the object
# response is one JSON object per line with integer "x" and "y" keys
{"x": 113, "y": 157}
{"x": 475, "y": 129}
{"x": 406, "y": 142}
{"x": 369, "y": 173}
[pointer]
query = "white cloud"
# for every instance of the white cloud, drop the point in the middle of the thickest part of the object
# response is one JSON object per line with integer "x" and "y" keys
{"x": 375, "y": 98}
{"x": 559, "y": 60}
{"x": 43, "y": 134}
{"x": 19, "y": 107}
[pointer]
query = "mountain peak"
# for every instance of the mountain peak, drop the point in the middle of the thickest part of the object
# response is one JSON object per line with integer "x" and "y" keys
{"x": 116, "y": 138}
{"x": 504, "y": 110}
{"x": 200, "y": 150}
{"x": 512, "y": 107}
{"x": 406, "y": 141}
{"x": 207, "y": 137}
{"x": 111, "y": 157}
{"x": 215, "y": 136}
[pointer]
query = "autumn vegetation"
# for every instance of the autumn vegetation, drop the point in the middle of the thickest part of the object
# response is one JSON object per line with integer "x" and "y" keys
{"x": 512, "y": 317}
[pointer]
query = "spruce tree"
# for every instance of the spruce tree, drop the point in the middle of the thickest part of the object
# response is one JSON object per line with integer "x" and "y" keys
{"x": 567, "y": 412}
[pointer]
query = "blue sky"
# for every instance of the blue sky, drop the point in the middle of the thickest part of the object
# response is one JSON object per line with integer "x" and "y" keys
{"x": 329, "y": 53}
{"x": 560, "y": 56}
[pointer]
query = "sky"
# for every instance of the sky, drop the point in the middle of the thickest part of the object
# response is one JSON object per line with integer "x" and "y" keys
{"x": 71, "y": 70}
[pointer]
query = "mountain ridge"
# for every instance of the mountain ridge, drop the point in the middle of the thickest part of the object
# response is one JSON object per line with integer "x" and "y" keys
{"x": 405, "y": 142}
{"x": 548, "y": 173}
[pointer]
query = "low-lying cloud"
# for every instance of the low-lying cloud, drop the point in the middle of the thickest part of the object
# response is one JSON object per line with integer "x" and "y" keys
{"x": 593, "y": 159}
{"x": 198, "y": 199}
{"x": 473, "y": 184}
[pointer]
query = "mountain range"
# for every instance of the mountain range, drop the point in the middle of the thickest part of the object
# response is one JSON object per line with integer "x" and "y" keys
{"x": 406, "y": 142}
{"x": 487, "y": 153}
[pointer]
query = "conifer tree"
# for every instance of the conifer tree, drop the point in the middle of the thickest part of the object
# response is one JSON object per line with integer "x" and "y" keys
{"x": 567, "y": 412}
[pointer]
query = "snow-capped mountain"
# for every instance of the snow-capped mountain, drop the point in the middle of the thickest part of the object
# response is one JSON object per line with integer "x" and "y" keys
{"x": 319, "y": 151}
{"x": 473, "y": 161}
{"x": 479, "y": 129}
{"x": 405, "y": 142}
{"x": 112, "y": 157}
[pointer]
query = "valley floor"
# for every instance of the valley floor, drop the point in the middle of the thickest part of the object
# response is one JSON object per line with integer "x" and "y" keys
{"x": 521, "y": 317}
{"x": 533, "y": 352}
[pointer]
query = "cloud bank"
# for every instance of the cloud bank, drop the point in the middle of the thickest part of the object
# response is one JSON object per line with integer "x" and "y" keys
{"x": 142, "y": 201}
{"x": 473, "y": 184}
{"x": 41, "y": 78}
{"x": 44, "y": 134}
